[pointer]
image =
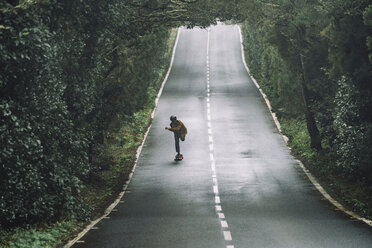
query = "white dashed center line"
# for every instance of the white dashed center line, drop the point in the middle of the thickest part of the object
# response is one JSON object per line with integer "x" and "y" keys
{"x": 220, "y": 214}
{"x": 227, "y": 235}
{"x": 224, "y": 223}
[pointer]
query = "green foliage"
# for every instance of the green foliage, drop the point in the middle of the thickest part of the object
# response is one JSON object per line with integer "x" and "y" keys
{"x": 39, "y": 237}
{"x": 69, "y": 71}
{"x": 299, "y": 139}
{"x": 42, "y": 156}
{"x": 73, "y": 71}
{"x": 312, "y": 58}
{"x": 353, "y": 136}
{"x": 367, "y": 19}
{"x": 278, "y": 82}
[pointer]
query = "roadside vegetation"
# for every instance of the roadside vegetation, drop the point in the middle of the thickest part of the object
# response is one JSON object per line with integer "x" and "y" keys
{"x": 78, "y": 81}
{"x": 314, "y": 61}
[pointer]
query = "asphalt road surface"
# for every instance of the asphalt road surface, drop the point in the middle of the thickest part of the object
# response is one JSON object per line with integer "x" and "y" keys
{"x": 238, "y": 186}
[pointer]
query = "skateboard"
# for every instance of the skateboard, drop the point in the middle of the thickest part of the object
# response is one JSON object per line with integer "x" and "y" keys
{"x": 178, "y": 158}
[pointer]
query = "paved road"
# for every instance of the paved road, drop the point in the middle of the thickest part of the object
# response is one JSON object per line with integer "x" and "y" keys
{"x": 238, "y": 185}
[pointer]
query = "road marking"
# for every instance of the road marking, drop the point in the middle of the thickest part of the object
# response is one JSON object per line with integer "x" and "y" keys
{"x": 215, "y": 189}
{"x": 211, "y": 147}
{"x": 220, "y": 214}
{"x": 224, "y": 224}
{"x": 227, "y": 235}
{"x": 211, "y": 156}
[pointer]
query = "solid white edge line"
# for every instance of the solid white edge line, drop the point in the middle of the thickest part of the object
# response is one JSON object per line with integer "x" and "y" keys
{"x": 308, "y": 174}
{"x": 139, "y": 149}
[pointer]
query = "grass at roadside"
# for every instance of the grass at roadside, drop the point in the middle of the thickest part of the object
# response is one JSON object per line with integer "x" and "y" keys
{"x": 115, "y": 158}
{"x": 354, "y": 195}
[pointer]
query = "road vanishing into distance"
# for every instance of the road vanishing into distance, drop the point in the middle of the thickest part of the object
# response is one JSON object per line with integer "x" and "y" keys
{"x": 238, "y": 185}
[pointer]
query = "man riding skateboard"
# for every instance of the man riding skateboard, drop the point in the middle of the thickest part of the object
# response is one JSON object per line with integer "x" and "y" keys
{"x": 180, "y": 131}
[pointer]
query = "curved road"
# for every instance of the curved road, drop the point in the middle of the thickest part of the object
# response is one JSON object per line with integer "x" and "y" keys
{"x": 238, "y": 185}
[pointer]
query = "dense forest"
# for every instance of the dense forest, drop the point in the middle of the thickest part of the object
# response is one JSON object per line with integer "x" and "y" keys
{"x": 72, "y": 70}
{"x": 314, "y": 61}
{"x": 69, "y": 69}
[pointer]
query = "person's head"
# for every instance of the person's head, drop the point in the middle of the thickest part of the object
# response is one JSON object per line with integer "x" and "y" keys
{"x": 173, "y": 118}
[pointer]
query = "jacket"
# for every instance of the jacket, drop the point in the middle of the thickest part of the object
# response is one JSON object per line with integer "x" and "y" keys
{"x": 179, "y": 127}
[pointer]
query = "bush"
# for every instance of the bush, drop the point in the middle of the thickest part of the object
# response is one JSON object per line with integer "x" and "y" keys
{"x": 43, "y": 156}
{"x": 69, "y": 70}
{"x": 353, "y": 135}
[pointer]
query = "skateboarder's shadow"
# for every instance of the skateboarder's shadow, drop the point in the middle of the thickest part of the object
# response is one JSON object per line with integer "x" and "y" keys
{"x": 174, "y": 163}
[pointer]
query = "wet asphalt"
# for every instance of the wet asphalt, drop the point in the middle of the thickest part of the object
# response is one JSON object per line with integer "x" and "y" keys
{"x": 238, "y": 185}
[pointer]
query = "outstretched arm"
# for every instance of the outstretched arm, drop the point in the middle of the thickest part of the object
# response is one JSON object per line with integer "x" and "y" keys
{"x": 174, "y": 129}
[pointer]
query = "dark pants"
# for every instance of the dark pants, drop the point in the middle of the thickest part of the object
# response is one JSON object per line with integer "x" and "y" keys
{"x": 177, "y": 141}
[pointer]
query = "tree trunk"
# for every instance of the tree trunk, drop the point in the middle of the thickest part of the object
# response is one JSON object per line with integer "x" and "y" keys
{"x": 309, "y": 115}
